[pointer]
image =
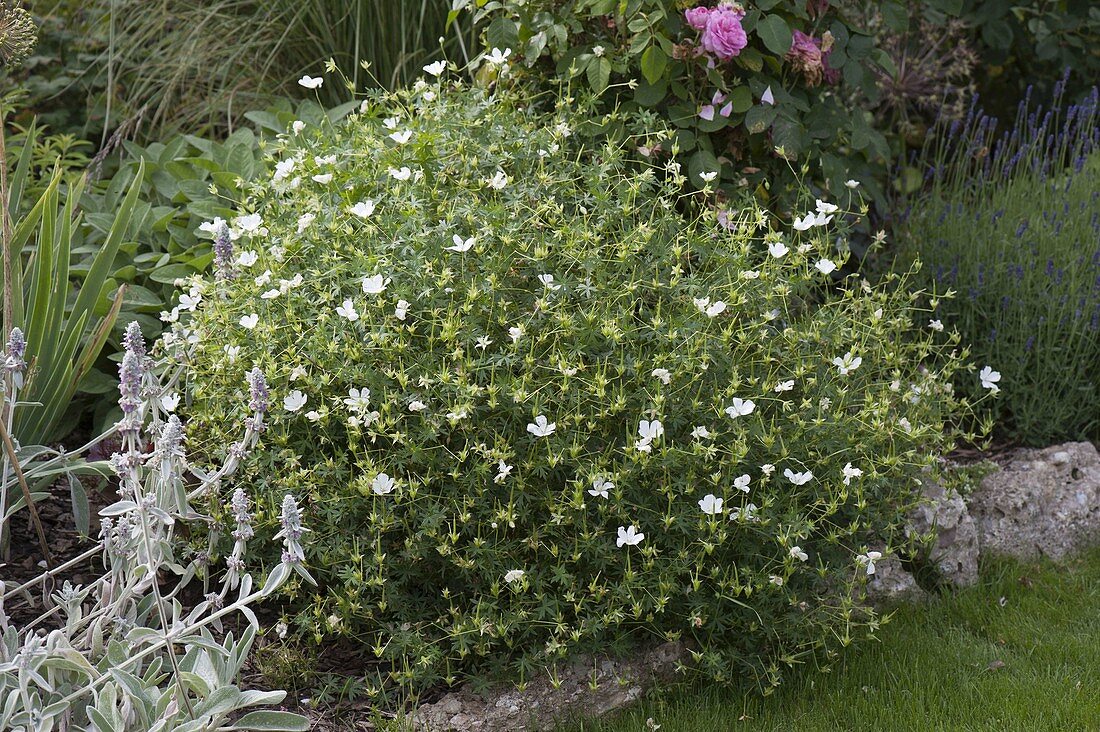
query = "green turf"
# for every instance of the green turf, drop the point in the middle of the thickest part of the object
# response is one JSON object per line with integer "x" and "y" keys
{"x": 1021, "y": 651}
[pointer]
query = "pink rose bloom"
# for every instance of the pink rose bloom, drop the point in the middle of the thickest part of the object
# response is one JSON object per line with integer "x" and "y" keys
{"x": 697, "y": 17}
{"x": 724, "y": 36}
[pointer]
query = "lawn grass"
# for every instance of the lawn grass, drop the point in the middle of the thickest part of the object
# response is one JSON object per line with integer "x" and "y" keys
{"x": 938, "y": 666}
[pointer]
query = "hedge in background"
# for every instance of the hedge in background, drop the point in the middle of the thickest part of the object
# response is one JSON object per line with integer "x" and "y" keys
{"x": 533, "y": 410}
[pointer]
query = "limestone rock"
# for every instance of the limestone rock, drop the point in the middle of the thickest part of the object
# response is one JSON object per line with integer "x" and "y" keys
{"x": 1042, "y": 503}
{"x": 617, "y": 682}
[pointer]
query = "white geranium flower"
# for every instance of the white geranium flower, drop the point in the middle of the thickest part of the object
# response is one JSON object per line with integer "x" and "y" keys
{"x": 247, "y": 258}
{"x": 298, "y": 372}
{"x": 775, "y": 580}
{"x": 649, "y": 432}
{"x": 798, "y": 478}
{"x": 324, "y": 159}
{"x": 304, "y": 221}
{"x": 390, "y": 123}
{"x": 435, "y": 69}
{"x": 767, "y": 468}
{"x": 797, "y": 553}
{"x": 358, "y": 400}
{"x": 850, "y": 472}
{"x": 936, "y": 325}
{"x": 347, "y": 310}
{"x": 847, "y": 364}
{"x": 375, "y": 284}
{"x": 323, "y": 178}
{"x": 989, "y": 379}
{"x": 417, "y": 406}
{"x": 512, "y": 575}
{"x": 777, "y": 249}
{"x": 263, "y": 279}
{"x": 311, "y": 82}
{"x": 402, "y": 309}
{"x": 515, "y": 333}
{"x": 541, "y": 428}
{"x": 483, "y": 342}
{"x": 905, "y": 424}
{"x": 767, "y": 97}
{"x": 708, "y": 176}
{"x": 663, "y": 374}
{"x": 499, "y": 181}
{"x": 363, "y": 209}
{"x": 600, "y": 487}
{"x": 741, "y": 483}
{"x": 402, "y": 173}
{"x": 213, "y": 227}
{"x": 825, "y": 266}
{"x": 710, "y": 504}
{"x": 712, "y": 310}
{"x": 294, "y": 401}
{"x": 740, "y": 407}
{"x": 497, "y": 57}
{"x": 700, "y": 432}
{"x": 249, "y": 321}
{"x": 313, "y": 415}
{"x": 629, "y": 536}
{"x": 853, "y": 184}
{"x": 297, "y": 126}
{"x": 190, "y": 301}
{"x": 869, "y": 560}
{"x": 825, "y": 208}
{"x": 169, "y": 402}
{"x": 286, "y": 286}
{"x": 401, "y": 137}
{"x": 748, "y": 513}
{"x": 821, "y": 219}
{"x": 383, "y": 484}
{"x": 249, "y": 223}
{"x": 784, "y": 386}
{"x": 270, "y": 294}
{"x": 231, "y": 353}
{"x": 461, "y": 245}
{"x": 547, "y": 281}
{"x": 802, "y": 224}
{"x": 503, "y": 471}
{"x": 283, "y": 169}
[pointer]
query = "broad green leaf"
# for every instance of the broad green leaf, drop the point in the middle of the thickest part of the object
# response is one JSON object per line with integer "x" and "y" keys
{"x": 654, "y": 62}
{"x": 775, "y": 33}
{"x": 599, "y": 73}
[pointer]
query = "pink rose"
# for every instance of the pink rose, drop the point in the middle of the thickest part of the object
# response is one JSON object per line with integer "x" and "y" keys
{"x": 724, "y": 36}
{"x": 697, "y": 17}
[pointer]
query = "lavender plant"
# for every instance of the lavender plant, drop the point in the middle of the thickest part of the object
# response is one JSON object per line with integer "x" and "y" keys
{"x": 123, "y": 653}
{"x": 536, "y": 411}
{"x": 1010, "y": 220}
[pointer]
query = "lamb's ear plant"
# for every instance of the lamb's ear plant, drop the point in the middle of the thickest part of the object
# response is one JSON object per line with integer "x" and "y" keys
{"x": 122, "y": 653}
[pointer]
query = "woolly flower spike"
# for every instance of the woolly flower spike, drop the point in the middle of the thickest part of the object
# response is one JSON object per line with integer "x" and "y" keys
{"x": 869, "y": 560}
{"x": 13, "y": 360}
{"x": 629, "y": 536}
{"x": 240, "y": 507}
{"x": 989, "y": 379}
{"x": 133, "y": 341}
{"x": 291, "y": 520}
{"x": 223, "y": 251}
{"x": 257, "y": 387}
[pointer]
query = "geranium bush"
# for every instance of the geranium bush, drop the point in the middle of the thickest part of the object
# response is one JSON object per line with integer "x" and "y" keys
{"x": 532, "y": 409}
